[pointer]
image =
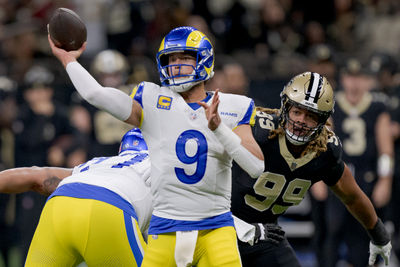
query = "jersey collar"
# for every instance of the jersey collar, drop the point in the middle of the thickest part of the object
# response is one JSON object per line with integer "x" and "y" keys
{"x": 196, "y": 106}
{"x": 293, "y": 163}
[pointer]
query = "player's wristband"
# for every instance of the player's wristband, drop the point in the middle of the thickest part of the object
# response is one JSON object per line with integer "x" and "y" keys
{"x": 112, "y": 100}
{"x": 378, "y": 235}
{"x": 244, "y": 158}
{"x": 385, "y": 165}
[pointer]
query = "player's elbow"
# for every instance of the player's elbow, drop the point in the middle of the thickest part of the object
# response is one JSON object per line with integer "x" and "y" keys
{"x": 91, "y": 97}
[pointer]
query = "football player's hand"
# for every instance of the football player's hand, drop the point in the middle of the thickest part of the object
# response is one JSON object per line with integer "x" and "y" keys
{"x": 269, "y": 232}
{"x": 212, "y": 115}
{"x": 375, "y": 250}
{"x": 64, "y": 56}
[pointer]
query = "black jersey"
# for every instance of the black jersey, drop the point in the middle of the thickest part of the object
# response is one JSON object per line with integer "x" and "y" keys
{"x": 285, "y": 180}
{"x": 355, "y": 125}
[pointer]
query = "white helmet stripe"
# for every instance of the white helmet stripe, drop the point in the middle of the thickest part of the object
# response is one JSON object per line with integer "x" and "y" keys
{"x": 314, "y": 88}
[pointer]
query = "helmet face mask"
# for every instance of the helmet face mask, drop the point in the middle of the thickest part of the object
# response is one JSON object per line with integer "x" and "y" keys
{"x": 186, "y": 40}
{"x": 310, "y": 92}
{"x": 299, "y": 133}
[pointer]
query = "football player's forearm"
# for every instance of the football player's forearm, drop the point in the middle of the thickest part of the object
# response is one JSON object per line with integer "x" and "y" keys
{"x": 384, "y": 138}
{"x": 385, "y": 164}
{"x": 248, "y": 162}
{"x": 254, "y": 149}
{"x": 41, "y": 180}
{"x": 112, "y": 100}
{"x": 49, "y": 178}
{"x": 243, "y": 157}
{"x": 355, "y": 200}
{"x": 363, "y": 210}
{"x": 17, "y": 180}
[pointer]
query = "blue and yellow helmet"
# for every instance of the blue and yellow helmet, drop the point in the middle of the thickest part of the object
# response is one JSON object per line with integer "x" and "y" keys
{"x": 133, "y": 141}
{"x": 190, "y": 40}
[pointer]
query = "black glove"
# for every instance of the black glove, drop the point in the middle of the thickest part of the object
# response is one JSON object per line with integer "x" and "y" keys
{"x": 269, "y": 232}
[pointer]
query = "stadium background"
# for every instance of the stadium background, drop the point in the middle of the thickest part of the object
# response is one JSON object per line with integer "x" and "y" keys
{"x": 259, "y": 44}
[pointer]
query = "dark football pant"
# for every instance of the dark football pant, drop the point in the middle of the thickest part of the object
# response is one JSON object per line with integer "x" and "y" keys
{"x": 343, "y": 227}
{"x": 318, "y": 218}
{"x": 265, "y": 253}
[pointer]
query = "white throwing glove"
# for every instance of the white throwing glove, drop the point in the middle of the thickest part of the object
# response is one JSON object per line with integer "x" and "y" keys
{"x": 375, "y": 250}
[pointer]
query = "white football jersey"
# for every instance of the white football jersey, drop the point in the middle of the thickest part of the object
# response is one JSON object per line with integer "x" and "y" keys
{"x": 125, "y": 175}
{"x": 191, "y": 171}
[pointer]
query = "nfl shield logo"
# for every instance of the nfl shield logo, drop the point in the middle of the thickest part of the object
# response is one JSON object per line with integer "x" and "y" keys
{"x": 193, "y": 116}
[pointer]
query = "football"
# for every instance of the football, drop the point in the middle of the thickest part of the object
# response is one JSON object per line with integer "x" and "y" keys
{"x": 66, "y": 29}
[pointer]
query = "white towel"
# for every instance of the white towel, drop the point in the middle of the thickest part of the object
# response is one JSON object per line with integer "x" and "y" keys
{"x": 184, "y": 247}
{"x": 244, "y": 231}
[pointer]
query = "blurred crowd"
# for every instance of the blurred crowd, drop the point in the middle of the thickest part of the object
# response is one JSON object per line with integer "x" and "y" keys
{"x": 259, "y": 44}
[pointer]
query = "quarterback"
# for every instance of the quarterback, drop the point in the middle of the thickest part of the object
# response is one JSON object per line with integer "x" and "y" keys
{"x": 193, "y": 135}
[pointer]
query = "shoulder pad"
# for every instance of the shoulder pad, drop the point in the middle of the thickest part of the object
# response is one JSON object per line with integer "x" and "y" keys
{"x": 334, "y": 146}
{"x": 266, "y": 120}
